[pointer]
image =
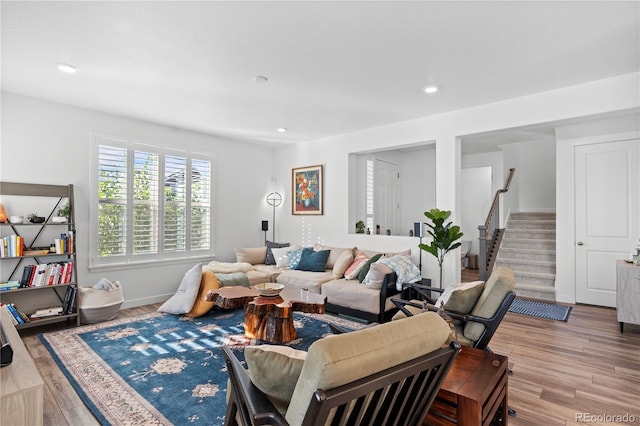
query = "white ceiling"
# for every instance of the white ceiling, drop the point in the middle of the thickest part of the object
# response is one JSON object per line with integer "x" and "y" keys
{"x": 333, "y": 67}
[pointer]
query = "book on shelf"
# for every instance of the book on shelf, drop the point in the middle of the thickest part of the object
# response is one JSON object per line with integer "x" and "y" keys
{"x": 15, "y": 313}
{"x": 9, "y": 285}
{"x": 47, "y": 312}
{"x": 69, "y": 300}
{"x": 20, "y": 312}
{"x": 12, "y": 246}
{"x": 36, "y": 252}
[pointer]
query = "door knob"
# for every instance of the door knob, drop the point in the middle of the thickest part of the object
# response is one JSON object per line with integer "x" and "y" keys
{"x": 580, "y": 243}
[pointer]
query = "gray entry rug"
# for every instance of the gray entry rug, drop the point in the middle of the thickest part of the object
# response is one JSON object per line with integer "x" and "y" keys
{"x": 539, "y": 309}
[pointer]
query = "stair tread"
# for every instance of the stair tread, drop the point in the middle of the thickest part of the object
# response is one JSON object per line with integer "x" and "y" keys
{"x": 525, "y": 261}
{"x": 529, "y": 274}
{"x": 527, "y": 250}
{"x": 535, "y": 287}
{"x": 522, "y": 240}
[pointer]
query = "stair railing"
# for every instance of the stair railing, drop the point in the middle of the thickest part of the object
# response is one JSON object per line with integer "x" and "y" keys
{"x": 491, "y": 232}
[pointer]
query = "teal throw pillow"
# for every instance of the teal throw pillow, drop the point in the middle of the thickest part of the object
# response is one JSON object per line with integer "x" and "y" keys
{"x": 365, "y": 269}
{"x": 313, "y": 261}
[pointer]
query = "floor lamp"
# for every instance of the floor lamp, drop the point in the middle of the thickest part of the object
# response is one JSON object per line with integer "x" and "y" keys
{"x": 274, "y": 199}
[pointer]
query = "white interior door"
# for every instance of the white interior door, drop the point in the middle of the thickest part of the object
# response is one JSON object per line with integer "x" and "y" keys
{"x": 386, "y": 196}
{"x": 607, "y": 181}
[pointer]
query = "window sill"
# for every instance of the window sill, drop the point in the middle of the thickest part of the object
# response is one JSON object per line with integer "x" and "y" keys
{"x": 150, "y": 263}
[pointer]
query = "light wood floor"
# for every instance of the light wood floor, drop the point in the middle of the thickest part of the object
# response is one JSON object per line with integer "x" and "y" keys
{"x": 559, "y": 369}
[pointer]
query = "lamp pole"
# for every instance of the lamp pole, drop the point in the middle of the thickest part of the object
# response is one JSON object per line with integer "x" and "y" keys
{"x": 274, "y": 199}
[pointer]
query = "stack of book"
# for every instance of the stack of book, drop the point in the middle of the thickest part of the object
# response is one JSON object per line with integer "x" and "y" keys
{"x": 47, "y": 312}
{"x": 9, "y": 285}
{"x": 47, "y": 274}
{"x": 69, "y": 300}
{"x": 17, "y": 315}
{"x": 11, "y": 246}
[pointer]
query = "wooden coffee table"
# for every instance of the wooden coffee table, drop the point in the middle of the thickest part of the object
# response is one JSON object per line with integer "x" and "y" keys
{"x": 474, "y": 391}
{"x": 271, "y": 318}
{"x": 231, "y": 297}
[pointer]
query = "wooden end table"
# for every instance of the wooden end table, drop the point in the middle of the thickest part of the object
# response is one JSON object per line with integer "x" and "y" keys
{"x": 474, "y": 391}
{"x": 271, "y": 318}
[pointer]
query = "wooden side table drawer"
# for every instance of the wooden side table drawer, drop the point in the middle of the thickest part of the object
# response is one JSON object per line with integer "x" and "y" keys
{"x": 474, "y": 391}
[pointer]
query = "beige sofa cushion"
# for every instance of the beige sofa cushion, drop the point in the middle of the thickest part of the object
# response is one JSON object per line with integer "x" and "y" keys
{"x": 375, "y": 277}
{"x": 500, "y": 282}
{"x": 335, "y": 254}
{"x": 275, "y": 371}
{"x": 312, "y": 281}
{"x": 461, "y": 297}
{"x": 340, "y": 359}
{"x": 342, "y": 264}
{"x": 353, "y": 294}
{"x": 253, "y": 255}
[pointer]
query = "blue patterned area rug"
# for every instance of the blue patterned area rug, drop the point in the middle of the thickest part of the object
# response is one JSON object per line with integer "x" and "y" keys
{"x": 538, "y": 309}
{"x": 159, "y": 369}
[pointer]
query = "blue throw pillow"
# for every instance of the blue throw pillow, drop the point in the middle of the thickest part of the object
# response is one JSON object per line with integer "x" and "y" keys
{"x": 270, "y": 259}
{"x": 313, "y": 261}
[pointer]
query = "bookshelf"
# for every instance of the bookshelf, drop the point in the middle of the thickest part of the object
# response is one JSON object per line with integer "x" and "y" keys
{"x": 53, "y": 270}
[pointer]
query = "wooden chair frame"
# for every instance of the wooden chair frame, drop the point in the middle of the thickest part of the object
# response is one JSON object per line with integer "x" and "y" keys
{"x": 400, "y": 395}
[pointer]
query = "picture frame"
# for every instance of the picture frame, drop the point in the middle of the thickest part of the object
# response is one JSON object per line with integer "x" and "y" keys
{"x": 307, "y": 185}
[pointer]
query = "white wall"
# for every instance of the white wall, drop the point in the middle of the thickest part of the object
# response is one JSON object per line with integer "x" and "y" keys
{"x": 470, "y": 222}
{"x": 534, "y": 184}
{"x": 45, "y": 142}
{"x": 614, "y": 94}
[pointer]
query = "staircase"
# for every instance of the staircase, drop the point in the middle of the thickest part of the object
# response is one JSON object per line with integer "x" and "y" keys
{"x": 529, "y": 249}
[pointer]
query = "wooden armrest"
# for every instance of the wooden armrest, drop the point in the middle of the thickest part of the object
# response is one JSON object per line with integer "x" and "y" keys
{"x": 426, "y": 287}
{"x": 250, "y": 400}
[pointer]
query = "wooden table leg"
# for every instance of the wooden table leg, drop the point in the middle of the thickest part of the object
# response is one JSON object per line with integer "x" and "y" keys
{"x": 270, "y": 322}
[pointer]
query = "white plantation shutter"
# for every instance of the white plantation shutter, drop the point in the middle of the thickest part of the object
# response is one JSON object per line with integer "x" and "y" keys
{"x": 370, "y": 192}
{"x": 151, "y": 205}
{"x": 112, "y": 201}
{"x": 145, "y": 203}
{"x": 200, "y": 204}
{"x": 175, "y": 199}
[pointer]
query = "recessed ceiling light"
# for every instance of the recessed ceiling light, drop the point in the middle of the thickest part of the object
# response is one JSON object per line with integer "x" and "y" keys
{"x": 260, "y": 79}
{"x": 69, "y": 69}
{"x": 281, "y": 129}
{"x": 430, "y": 89}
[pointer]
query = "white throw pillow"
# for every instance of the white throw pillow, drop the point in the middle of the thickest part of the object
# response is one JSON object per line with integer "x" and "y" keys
{"x": 184, "y": 298}
{"x": 280, "y": 254}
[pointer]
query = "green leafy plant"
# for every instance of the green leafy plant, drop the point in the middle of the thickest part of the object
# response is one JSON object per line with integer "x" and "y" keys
{"x": 359, "y": 227}
{"x": 444, "y": 236}
{"x": 64, "y": 211}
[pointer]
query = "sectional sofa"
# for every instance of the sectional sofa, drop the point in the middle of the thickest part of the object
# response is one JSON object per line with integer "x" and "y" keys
{"x": 352, "y": 295}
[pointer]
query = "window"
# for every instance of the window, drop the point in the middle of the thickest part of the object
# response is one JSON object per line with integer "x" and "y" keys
{"x": 151, "y": 204}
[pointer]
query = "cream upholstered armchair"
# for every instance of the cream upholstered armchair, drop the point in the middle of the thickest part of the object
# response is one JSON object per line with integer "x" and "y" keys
{"x": 477, "y": 308}
{"x": 377, "y": 375}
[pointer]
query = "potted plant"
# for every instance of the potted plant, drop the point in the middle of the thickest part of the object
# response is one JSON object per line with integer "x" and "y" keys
{"x": 34, "y": 218}
{"x": 444, "y": 236}
{"x": 63, "y": 214}
{"x": 359, "y": 227}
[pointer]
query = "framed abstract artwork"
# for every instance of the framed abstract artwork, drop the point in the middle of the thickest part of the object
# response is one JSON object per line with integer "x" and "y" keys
{"x": 307, "y": 187}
